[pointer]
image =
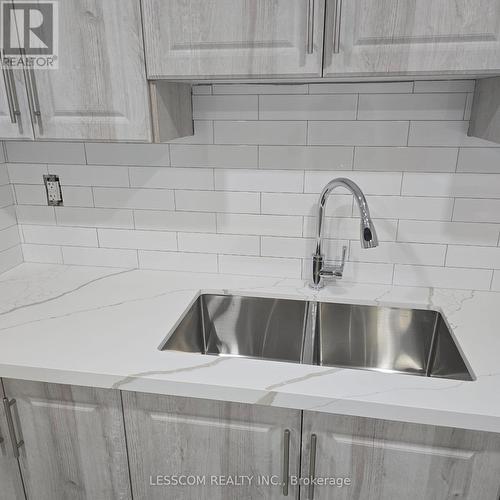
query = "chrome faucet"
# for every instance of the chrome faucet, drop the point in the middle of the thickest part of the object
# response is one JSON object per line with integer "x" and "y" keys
{"x": 368, "y": 236}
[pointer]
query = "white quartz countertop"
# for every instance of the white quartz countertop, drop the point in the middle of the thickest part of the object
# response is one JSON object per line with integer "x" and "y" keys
{"x": 102, "y": 327}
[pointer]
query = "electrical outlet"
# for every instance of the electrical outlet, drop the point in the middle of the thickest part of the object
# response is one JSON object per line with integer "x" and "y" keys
{"x": 53, "y": 188}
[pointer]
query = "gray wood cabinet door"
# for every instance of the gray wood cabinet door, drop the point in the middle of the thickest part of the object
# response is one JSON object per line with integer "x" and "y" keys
{"x": 368, "y": 37}
{"x": 99, "y": 90}
{"x": 74, "y": 441}
{"x": 11, "y": 486}
{"x": 233, "y": 38}
{"x": 393, "y": 460}
{"x": 173, "y": 437}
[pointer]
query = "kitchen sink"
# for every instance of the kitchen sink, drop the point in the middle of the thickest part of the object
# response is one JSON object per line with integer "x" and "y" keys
{"x": 389, "y": 339}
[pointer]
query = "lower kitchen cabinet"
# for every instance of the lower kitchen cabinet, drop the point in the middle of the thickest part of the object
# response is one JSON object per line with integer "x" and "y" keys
{"x": 11, "y": 485}
{"x": 174, "y": 438}
{"x": 393, "y": 460}
{"x": 74, "y": 441}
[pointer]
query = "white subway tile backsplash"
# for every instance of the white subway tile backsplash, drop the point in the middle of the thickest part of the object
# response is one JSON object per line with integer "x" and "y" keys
{"x": 404, "y": 159}
{"x": 304, "y": 204}
{"x": 443, "y": 133}
{"x": 171, "y": 178}
{"x": 27, "y": 173}
{"x": 7, "y": 216}
{"x": 358, "y": 133}
{"x": 451, "y": 185}
{"x": 409, "y": 207}
{"x": 386, "y": 183}
{"x": 240, "y": 196}
{"x": 260, "y": 266}
{"x": 308, "y": 107}
{"x": 443, "y": 277}
{"x": 137, "y": 239}
{"x": 474, "y": 210}
{"x": 453, "y": 233}
{"x": 444, "y": 86}
{"x": 269, "y": 225}
{"x": 306, "y": 157}
{"x": 218, "y": 201}
{"x": 9, "y": 237}
{"x": 259, "y": 180}
{"x": 225, "y": 107}
{"x": 175, "y": 221}
{"x": 178, "y": 261}
{"x": 210, "y": 155}
{"x": 361, "y": 88}
{"x": 400, "y": 253}
{"x": 45, "y": 152}
{"x": 219, "y": 243}
{"x": 99, "y": 257}
{"x": 411, "y": 107}
{"x": 479, "y": 160}
{"x": 260, "y": 132}
{"x": 57, "y": 235}
{"x": 74, "y": 175}
{"x": 150, "y": 199}
{"x": 94, "y": 217}
{"x": 33, "y": 214}
{"x": 42, "y": 253}
{"x": 102, "y": 153}
{"x": 473, "y": 256}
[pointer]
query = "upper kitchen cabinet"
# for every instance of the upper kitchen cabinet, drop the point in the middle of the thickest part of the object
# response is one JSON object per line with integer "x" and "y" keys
{"x": 381, "y": 37}
{"x": 196, "y": 39}
{"x": 99, "y": 91}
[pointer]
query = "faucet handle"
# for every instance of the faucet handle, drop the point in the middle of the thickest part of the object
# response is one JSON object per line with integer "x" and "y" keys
{"x": 335, "y": 271}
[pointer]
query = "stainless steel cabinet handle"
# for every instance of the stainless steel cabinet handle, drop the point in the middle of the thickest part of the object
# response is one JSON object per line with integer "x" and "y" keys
{"x": 312, "y": 465}
{"x": 336, "y": 26}
{"x": 7, "y": 404}
{"x": 34, "y": 103}
{"x": 286, "y": 461}
{"x": 10, "y": 89}
{"x": 310, "y": 27}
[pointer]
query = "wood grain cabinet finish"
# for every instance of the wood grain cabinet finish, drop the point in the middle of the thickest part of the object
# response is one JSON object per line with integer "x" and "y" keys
{"x": 174, "y": 435}
{"x": 99, "y": 92}
{"x": 233, "y": 38}
{"x": 74, "y": 441}
{"x": 393, "y": 460}
{"x": 11, "y": 486}
{"x": 411, "y": 37}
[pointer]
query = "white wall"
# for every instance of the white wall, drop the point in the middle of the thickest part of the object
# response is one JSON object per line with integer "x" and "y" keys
{"x": 239, "y": 197}
{"x": 10, "y": 248}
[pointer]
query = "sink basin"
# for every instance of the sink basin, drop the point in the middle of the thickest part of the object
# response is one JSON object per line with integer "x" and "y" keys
{"x": 396, "y": 340}
{"x": 254, "y": 327}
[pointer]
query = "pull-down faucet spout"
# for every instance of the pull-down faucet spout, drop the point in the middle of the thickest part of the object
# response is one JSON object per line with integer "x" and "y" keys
{"x": 368, "y": 236}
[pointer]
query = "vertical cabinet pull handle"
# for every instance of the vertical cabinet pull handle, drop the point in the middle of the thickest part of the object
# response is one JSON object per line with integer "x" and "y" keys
{"x": 312, "y": 465}
{"x": 336, "y": 26}
{"x": 7, "y": 405}
{"x": 310, "y": 27}
{"x": 10, "y": 89}
{"x": 286, "y": 461}
{"x": 34, "y": 103}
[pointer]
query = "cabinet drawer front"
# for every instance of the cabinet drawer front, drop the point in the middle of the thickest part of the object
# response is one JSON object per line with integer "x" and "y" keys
{"x": 240, "y": 38}
{"x": 411, "y": 37}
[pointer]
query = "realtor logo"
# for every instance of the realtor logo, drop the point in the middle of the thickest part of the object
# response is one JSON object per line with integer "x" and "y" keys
{"x": 29, "y": 34}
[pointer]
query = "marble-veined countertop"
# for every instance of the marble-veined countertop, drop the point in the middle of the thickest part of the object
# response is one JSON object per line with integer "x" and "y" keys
{"x": 102, "y": 327}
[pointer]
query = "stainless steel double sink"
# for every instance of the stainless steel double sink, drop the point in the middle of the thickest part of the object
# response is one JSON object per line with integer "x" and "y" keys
{"x": 388, "y": 339}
